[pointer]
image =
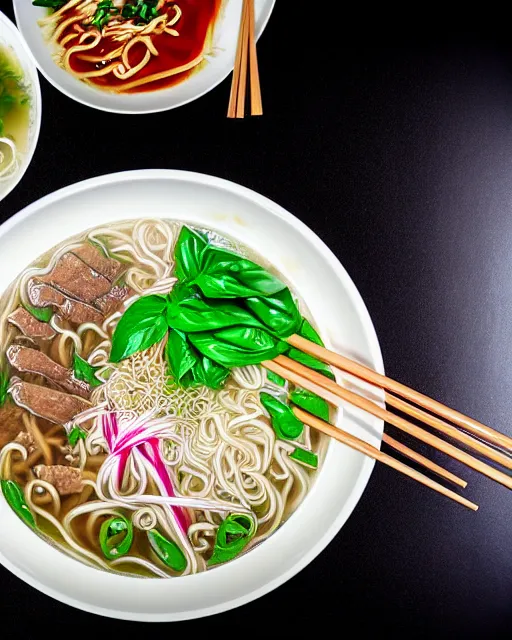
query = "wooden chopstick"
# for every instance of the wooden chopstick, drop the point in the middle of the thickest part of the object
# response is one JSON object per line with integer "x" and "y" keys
{"x": 449, "y": 430}
{"x": 376, "y": 454}
{"x": 401, "y": 448}
{"x": 242, "y": 83}
{"x": 256, "y": 104}
{"x": 298, "y": 374}
{"x": 367, "y": 374}
{"x": 428, "y": 464}
{"x": 246, "y": 49}
{"x": 235, "y": 82}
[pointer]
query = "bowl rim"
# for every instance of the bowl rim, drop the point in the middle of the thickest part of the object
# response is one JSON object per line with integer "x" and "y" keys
{"x": 366, "y": 469}
{"x": 258, "y": 32}
{"x": 35, "y": 87}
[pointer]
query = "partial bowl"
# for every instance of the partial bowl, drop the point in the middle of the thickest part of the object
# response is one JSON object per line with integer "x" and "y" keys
{"x": 219, "y": 64}
{"x": 11, "y": 39}
{"x": 334, "y": 302}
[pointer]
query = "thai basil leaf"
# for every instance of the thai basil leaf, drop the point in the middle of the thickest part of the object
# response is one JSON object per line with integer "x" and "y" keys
{"x": 75, "y": 435}
{"x": 141, "y": 326}
{"x": 238, "y": 346}
{"x": 116, "y": 537}
{"x": 284, "y": 422}
{"x": 43, "y": 314}
{"x": 180, "y": 355}
{"x": 168, "y": 552}
{"x": 16, "y": 500}
{"x": 275, "y": 378}
{"x": 225, "y": 274}
{"x": 307, "y": 331}
{"x": 210, "y": 373}
{"x": 188, "y": 252}
{"x": 189, "y": 312}
{"x": 188, "y": 367}
{"x": 310, "y": 402}
{"x": 82, "y": 370}
{"x": 311, "y": 362}
{"x": 4, "y": 385}
{"x": 233, "y": 535}
{"x": 278, "y": 312}
{"x": 308, "y": 458}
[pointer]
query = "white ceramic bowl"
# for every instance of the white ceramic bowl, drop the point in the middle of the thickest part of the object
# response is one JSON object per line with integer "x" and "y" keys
{"x": 220, "y": 64}
{"x": 11, "y": 38}
{"x": 342, "y": 319}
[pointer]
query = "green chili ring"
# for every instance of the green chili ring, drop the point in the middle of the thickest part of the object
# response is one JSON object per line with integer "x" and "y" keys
{"x": 112, "y": 528}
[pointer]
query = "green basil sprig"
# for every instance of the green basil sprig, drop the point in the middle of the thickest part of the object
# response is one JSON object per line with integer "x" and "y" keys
{"x": 238, "y": 346}
{"x": 278, "y": 312}
{"x": 188, "y": 311}
{"x": 116, "y": 537}
{"x": 168, "y": 552}
{"x": 189, "y": 367}
{"x": 141, "y": 326}
{"x": 225, "y": 274}
{"x": 16, "y": 500}
{"x": 233, "y": 535}
{"x": 220, "y": 273}
{"x": 187, "y": 254}
{"x": 284, "y": 422}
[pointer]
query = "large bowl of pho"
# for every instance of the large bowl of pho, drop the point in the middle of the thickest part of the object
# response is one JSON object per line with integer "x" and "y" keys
{"x": 134, "y": 56}
{"x": 142, "y": 442}
{"x": 20, "y": 107}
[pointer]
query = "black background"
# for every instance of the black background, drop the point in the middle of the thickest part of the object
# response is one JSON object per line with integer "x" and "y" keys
{"x": 391, "y": 137}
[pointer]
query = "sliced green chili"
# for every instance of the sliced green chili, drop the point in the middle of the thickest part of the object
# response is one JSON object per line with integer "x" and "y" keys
{"x": 168, "y": 552}
{"x": 233, "y": 535}
{"x": 116, "y": 537}
{"x": 16, "y": 500}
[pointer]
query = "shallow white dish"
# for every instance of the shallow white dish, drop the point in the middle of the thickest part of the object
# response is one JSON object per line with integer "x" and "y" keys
{"x": 220, "y": 64}
{"x": 343, "y": 321}
{"x": 11, "y": 38}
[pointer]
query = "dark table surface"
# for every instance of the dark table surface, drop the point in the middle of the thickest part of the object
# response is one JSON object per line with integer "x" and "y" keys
{"x": 395, "y": 146}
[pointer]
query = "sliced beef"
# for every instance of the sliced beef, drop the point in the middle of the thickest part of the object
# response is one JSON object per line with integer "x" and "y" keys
{"x": 26, "y": 439}
{"x": 110, "y": 302}
{"x": 11, "y": 422}
{"x": 29, "y": 360}
{"x": 47, "y": 403}
{"x": 65, "y": 479}
{"x": 75, "y": 278}
{"x": 30, "y": 326}
{"x": 108, "y": 267}
{"x": 80, "y": 286}
{"x": 44, "y": 295}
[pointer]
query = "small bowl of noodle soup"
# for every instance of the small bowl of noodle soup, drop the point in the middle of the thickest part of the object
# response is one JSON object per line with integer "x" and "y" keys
{"x": 134, "y": 56}
{"x": 20, "y": 107}
{"x": 150, "y": 468}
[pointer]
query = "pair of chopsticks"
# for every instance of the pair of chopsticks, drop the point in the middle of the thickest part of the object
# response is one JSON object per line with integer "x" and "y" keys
{"x": 399, "y": 397}
{"x": 246, "y": 51}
